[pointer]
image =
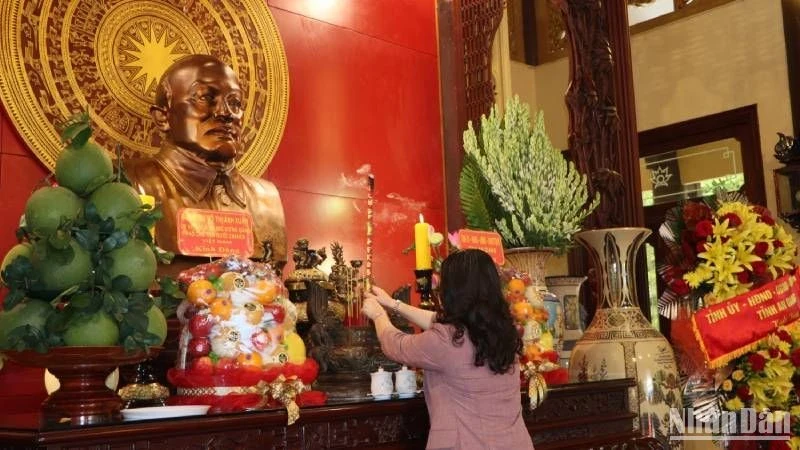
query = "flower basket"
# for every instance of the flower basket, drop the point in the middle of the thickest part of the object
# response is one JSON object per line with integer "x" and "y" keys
{"x": 732, "y": 295}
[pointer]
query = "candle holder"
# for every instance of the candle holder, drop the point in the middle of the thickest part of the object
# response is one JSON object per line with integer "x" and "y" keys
{"x": 424, "y": 282}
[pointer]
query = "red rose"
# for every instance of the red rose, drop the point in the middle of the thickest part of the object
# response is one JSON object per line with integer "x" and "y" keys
{"x": 694, "y": 212}
{"x": 743, "y": 277}
{"x": 700, "y": 247}
{"x": 679, "y": 286}
{"x": 743, "y": 392}
{"x": 777, "y": 244}
{"x": 704, "y": 229}
{"x": 733, "y": 219}
{"x": 761, "y": 249}
{"x": 795, "y": 357}
{"x": 774, "y": 353}
{"x": 784, "y": 336}
{"x": 757, "y": 362}
{"x": 759, "y": 268}
{"x": 768, "y": 220}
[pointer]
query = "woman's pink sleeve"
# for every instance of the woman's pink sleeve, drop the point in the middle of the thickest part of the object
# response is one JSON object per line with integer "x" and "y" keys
{"x": 426, "y": 350}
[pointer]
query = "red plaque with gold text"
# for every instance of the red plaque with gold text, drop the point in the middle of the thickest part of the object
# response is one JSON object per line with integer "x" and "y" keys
{"x": 204, "y": 232}
{"x": 488, "y": 241}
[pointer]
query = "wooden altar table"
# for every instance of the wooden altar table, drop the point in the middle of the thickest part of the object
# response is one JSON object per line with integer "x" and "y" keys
{"x": 577, "y": 416}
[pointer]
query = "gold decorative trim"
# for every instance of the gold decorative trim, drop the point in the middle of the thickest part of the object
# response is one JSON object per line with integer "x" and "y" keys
{"x": 58, "y": 57}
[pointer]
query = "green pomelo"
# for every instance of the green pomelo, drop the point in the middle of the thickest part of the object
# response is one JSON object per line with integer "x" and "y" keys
{"x": 136, "y": 261}
{"x": 22, "y": 249}
{"x": 97, "y": 330}
{"x": 30, "y": 312}
{"x": 84, "y": 169}
{"x": 157, "y": 323}
{"x": 54, "y": 275}
{"x": 118, "y": 201}
{"x": 48, "y": 206}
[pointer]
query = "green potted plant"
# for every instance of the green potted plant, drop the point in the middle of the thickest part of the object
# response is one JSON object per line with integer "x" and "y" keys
{"x": 516, "y": 182}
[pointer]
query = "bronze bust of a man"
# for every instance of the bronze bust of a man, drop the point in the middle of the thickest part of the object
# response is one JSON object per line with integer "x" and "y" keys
{"x": 198, "y": 106}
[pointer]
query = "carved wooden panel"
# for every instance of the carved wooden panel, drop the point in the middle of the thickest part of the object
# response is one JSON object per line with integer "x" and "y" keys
{"x": 466, "y": 33}
{"x": 581, "y": 416}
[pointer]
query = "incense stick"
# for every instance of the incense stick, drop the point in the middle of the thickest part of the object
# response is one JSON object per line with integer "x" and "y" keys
{"x": 370, "y": 228}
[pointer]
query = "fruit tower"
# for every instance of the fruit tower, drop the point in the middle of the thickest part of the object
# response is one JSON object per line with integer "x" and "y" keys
{"x": 81, "y": 271}
{"x": 238, "y": 347}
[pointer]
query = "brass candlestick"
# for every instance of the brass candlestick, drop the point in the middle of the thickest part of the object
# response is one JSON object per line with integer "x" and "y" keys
{"x": 424, "y": 282}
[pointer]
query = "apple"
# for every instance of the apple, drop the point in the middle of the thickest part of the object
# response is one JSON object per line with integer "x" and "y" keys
{"x": 202, "y": 366}
{"x": 225, "y": 364}
{"x": 260, "y": 340}
{"x": 200, "y": 325}
{"x": 199, "y": 346}
{"x": 277, "y": 311}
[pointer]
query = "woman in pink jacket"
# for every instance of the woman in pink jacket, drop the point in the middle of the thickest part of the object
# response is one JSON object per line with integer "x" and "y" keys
{"x": 469, "y": 354}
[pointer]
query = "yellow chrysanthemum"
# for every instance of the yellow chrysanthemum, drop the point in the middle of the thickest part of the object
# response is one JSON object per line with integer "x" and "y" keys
{"x": 734, "y": 404}
{"x": 773, "y": 341}
{"x": 727, "y": 385}
{"x": 737, "y": 375}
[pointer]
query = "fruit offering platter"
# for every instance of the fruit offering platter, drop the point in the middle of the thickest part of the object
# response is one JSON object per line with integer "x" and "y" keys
{"x": 238, "y": 347}
{"x": 78, "y": 301}
{"x": 531, "y": 316}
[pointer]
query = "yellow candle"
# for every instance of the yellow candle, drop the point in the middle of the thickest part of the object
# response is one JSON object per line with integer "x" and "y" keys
{"x": 150, "y": 201}
{"x": 422, "y": 245}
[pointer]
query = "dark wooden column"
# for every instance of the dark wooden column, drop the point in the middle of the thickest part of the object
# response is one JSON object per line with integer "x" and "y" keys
{"x": 602, "y": 127}
{"x": 603, "y": 139}
{"x": 466, "y": 33}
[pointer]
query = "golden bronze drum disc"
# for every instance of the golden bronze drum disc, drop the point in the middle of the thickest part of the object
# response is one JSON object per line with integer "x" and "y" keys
{"x": 58, "y": 57}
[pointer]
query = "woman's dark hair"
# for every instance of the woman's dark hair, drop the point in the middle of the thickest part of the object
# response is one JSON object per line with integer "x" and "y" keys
{"x": 472, "y": 300}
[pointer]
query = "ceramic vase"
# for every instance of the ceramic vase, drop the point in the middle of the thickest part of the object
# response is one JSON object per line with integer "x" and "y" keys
{"x": 533, "y": 261}
{"x": 620, "y": 342}
{"x": 567, "y": 289}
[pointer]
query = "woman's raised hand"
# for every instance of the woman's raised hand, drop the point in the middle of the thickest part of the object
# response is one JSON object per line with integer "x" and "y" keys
{"x": 372, "y": 308}
{"x": 381, "y": 296}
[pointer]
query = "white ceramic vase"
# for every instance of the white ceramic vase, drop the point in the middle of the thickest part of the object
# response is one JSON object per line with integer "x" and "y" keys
{"x": 620, "y": 342}
{"x": 567, "y": 289}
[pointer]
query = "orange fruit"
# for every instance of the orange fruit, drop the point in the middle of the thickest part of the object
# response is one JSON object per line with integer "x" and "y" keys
{"x": 249, "y": 360}
{"x": 201, "y": 292}
{"x": 221, "y": 307}
{"x": 231, "y": 281}
{"x": 265, "y": 291}
{"x": 516, "y": 286}
{"x": 521, "y": 311}
{"x": 254, "y": 312}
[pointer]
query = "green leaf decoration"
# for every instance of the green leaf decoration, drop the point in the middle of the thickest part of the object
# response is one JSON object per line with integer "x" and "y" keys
{"x": 121, "y": 283}
{"x": 471, "y": 191}
{"x": 76, "y": 130}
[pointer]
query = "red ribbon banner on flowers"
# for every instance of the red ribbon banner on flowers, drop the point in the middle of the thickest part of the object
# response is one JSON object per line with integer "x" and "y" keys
{"x": 734, "y": 327}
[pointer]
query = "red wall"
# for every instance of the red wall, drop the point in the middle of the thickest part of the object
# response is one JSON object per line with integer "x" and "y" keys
{"x": 363, "y": 90}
